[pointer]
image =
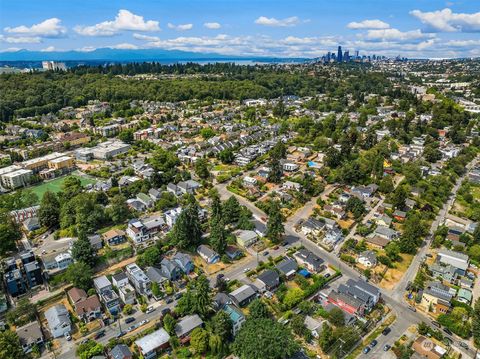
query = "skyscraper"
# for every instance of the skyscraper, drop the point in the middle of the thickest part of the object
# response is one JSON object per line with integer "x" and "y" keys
{"x": 339, "y": 54}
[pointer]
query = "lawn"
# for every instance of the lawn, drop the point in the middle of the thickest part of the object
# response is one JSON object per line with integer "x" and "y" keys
{"x": 56, "y": 185}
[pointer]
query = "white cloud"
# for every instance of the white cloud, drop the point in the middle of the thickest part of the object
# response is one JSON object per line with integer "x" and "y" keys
{"x": 180, "y": 27}
{"x": 145, "y": 37}
{"x": 447, "y": 21}
{"x": 368, "y": 24}
{"x": 394, "y": 35}
{"x": 11, "y": 49}
{"x": 87, "y": 49}
{"x": 20, "y": 39}
{"x": 271, "y": 21}
{"x": 125, "y": 20}
{"x": 48, "y": 28}
{"x": 463, "y": 43}
{"x": 212, "y": 25}
{"x": 48, "y": 49}
{"x": 124, "y": 46}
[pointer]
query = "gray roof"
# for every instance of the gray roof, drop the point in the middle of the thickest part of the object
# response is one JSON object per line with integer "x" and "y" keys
{"x": 187, "y": 324}
{"x": 206, "y": 251}
{"x": 242, "y": 293}
{"x": 29, "y": 333}
{"x": 153, "y": 341}
{"x": 269, "y": 277}
{"x": 155, "y": 275}
{"x": 57, "y": 315}
{"x": 287, "y": 265}
{"x": 364, "y": 286}
{"x": 182, "y": 258}
{"x": 120, "y": 351}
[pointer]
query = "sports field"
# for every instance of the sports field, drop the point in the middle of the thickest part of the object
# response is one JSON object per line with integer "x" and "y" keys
{"x": 56, "y": 185}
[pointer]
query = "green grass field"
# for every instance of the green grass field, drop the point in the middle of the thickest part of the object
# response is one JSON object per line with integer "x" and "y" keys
{"x": 56, "y": 185}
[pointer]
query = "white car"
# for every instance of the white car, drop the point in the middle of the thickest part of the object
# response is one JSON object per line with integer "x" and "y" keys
{"x": 145, "y": 321}
{"x": 149, "y": 310}
{"x": 246, "y": 270}
{"x": 68, "y": 336}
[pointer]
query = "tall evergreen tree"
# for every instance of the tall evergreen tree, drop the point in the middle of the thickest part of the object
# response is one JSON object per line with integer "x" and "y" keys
{"x": 275, "y": 228}
{"x": 49, "y": 212}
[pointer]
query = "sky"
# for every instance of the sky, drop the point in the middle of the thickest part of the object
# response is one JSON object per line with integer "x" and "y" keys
{"x": 297, "y": 28}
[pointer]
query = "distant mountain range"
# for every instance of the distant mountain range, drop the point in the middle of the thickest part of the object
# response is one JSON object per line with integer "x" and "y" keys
{"x": 123, "y": 55}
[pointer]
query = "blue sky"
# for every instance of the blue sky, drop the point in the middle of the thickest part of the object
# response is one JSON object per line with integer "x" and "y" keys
{"x": 420, "y": 28}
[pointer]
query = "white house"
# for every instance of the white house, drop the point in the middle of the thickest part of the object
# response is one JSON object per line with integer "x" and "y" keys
{"x": 367, "y": 259}
{"x": 58, "y": 320}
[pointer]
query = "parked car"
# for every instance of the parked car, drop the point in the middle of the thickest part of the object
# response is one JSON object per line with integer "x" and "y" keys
{"x": 266, "y": 253}
{"x": 327, "y": 275}
{"x": 463, "y": 345}
{"x": 132, "y": 327}
{"x": 178, "y": 296}
{"x": 373, "y": 343}
{"x": 246, "y": 270}
{"x": 366, "y": 350}
{"x": 129, "y": 320}
{"x": 68, "y": 336}
{"x": 119, "y": 335}
{"x": 165, "y": 311}
{"x": 386, "y": 348}
{"x": 448, "y": 331}
{"x": 99, "y": 334}
{"x": 169, "y": 300}
{"x": 143, "y": 322}
{"x": 149, "y": 310}
{"x": 386, "y": 331}
{"x": 436, "y": 324}
{"x": 413, "y": 309}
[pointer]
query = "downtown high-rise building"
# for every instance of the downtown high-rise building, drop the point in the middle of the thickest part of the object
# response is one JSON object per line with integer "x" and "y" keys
{"x": 339, "y": 54}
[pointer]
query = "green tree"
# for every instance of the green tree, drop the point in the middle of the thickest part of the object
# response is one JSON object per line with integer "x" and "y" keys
{"x": 264, "y": 339}
{"x": 169, "y": 323}
{"x": 127, "y": 309}
{"x": 258, "y": 310}
{"x": 386, "y": 185}
{"x": 82, "y": 251}
{"x": 226, "y": 156}
{"x": 49, "y": 212}
{"x": 275, "y": 228}
{"x": 218, "y": 237}
{"x": 71, "y": 187}
{"x": 187, "y": 231}
{"x": 23, "y": 313}
{"x": 476, "y": 323}
{"x": 118, "y": 210}
{"x": 80, "y": 275}
{"x": 399, "y": 196}
{"x": 89, "y": 349}
{"x": 126, "y": 136}
{"x": 201, "y": 168}
{"x": 199, "y": 341}
{"x": 207, "y": 133}
{"x": 10, "y": 346}
{"x": 326, "y": 337}
{"x": 222, "y": 325}
{"x": 231, "y": 210}
{"x": 356, "y": 207}
{"x": 9, "y": 232}
{"x": 336, "y": 316}
{"x": 149, "y": 257}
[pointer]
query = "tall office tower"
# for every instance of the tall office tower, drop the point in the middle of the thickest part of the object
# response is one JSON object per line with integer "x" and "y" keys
{"x": 339, "y": 54}
{"x": 346, "y": 56}
{"x": 357, "y": 54}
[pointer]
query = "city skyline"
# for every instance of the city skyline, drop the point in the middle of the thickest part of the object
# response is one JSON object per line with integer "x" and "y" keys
{"x": 420, "y": 29}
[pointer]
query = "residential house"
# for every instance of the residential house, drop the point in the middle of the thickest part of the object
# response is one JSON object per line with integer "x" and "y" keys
{"x": 96, "y": 241}
{"x": 269, "y": 280}
{"x": 236, "y": 316}
{"x": 313, "y": 325}
{"x": 333, "y": 236}
{"x": 365, "y": 287}
{"x": 346, "y": 302}
{"x": 288, "y": 267}
{"x": 377, "y": 241}
{"x": 172, "y": 215}
{"x": 426, "y": 348}
{"x": 399, "y": 215}
{"x": 465, "y": 296}
{"x": 30, "y": 335}
{"x": 151, "y": 344}
{"x": 107, "y": 295}
{"x": 55, "y": 262}
{"x": 114, "y": 237}
{"x": 384, "y": 220}
{"x": 289, "y": 185}
{"x": 312, "y": 226}
{"x": 208, "y": 254}
{"x": 170, "y": 269}
{"x": 244, "y": 295}
{"x": 233, "y": 252}
{"x": 139, "y": 280}
{"x": 249, "y": 181}
{"x": 446, "y": 272}
{"x": 142, "y": 230}
{"x": 458, "y": 260}
{"x": 309, "y": 260}
{"x": 386, "y": 232}
{"x": 367, "y": 259}
{"x": 186, "y": 325}
{"x": 119, "y": 279}
{"x": 436, "y": 298}
{"x": 120, "y": 351}
{"x": 88, "y": 309}
{"x": 290, "y": 167}
{"x": 184, "y": 261}
{"x": 245, "y": 238}
{"x": 58, "y": 320}
{"x": 146, "y": 200}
